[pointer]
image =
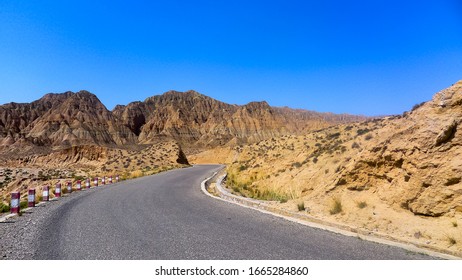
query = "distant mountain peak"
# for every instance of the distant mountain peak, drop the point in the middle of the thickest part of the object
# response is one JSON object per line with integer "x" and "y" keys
{"x": 190, "y": 118}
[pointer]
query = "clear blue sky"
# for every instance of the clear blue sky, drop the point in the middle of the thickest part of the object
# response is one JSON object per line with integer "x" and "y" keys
{"x": 361, "y": 57}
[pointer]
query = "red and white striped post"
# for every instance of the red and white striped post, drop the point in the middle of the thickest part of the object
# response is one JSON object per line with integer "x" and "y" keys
{"x": 117, "y": 178}
{"x": 69, "y": 186}
{"x": 58, "y": 190}
{"x": 87, "y": 183}
{"x": 103, "y": 180}
{"x": 46, "y": 193}
{"x": 31, "y": 198}
{"x": 15, "y": 196}
{"x": 79, "y": 185}
{"x": 110, "y": 179}
{"x": 95, "y": 181}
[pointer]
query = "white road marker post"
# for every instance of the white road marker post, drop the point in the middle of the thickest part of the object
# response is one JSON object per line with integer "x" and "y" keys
{"x": 46, "y": 193}
{"x": 58, "y": 190}
{"x": 15, "y": 196}
{"x": 69, "y": 186}
{"x": 31, "y": 198}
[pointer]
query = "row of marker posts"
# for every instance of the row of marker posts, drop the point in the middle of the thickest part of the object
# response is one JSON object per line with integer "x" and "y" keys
{"x": 16, "y": 196}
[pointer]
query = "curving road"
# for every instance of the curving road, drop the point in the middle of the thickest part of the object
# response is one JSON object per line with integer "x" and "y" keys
{"x": 166, "y": 216}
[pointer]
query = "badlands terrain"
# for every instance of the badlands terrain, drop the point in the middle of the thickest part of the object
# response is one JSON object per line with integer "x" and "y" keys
{"x": 70, "y": 136}
{"x": 396, "y": 175}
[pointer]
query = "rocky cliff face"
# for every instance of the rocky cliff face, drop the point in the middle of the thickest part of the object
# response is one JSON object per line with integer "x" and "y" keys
{"x": 194, "y": 119}
{"x": 72, "y": 119}
{"x": 419, "y": 156}
{"x": 62, "y": 120}
{"x": 411, "y": 162}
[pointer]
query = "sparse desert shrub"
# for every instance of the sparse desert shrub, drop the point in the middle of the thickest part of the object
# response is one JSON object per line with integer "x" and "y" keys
{"x": 451, "y": 240}
{"x": 315, "y": 160}
{"x": 243, "y": 167}
{"x": 362, "y": 131}
{"x": 271, "y": 195}
{"x": 404, "y": 205}
{"x": 333, "y": 135}
{"x": 23, "y": 205}
{"x": 454, "y": 224}
{"x": 361, "y": 204}
{"x": 417, "y": 106}
{"x": 4, "y": 208}
{"x": 301, "y": 206}
{"x": 297, "y": 164}
{"x": 336, "y": 206}
{"x": 79, "y": 177}
{"x": 136, "y": 174}
{"x": 368, "y": 137}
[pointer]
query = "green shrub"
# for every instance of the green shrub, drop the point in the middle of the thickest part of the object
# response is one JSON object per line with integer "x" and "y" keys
{"x": 4, "y": 208}
{"x": 301, "y": 206}
{"x": 23, "y": 205}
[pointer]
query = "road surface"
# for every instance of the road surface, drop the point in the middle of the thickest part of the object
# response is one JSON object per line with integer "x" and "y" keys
{"x": 166, "y": 216}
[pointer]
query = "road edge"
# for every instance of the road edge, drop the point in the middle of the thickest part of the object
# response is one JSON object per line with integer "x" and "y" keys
{"x": 313, "y": 222}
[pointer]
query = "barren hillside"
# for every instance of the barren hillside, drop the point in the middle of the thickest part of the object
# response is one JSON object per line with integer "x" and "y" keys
{"x": 399, "y": 175}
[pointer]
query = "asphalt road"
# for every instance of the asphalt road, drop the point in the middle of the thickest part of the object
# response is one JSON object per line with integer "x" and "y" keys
{"x": 166, "y": 216}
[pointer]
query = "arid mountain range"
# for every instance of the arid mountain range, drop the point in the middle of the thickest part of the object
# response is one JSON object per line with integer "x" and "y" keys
{"x": 396, "y": 175}
{"x": 192, "y": 119}
{"x": 72, "y": 135}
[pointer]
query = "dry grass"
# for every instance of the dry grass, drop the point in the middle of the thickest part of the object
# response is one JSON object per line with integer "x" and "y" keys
{"x": 336, "y": 206}
{"x": 451, "y": 240}
{"x": 361, "y": 204}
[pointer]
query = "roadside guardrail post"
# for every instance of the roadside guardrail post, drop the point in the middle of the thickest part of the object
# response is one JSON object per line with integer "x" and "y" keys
{"x": 15, "y": 196}
{"x": 58, "y": 190}
{"x": 31, "y": 198}
{"x": 46, "y": 193}
{"x": 69, "y": 186}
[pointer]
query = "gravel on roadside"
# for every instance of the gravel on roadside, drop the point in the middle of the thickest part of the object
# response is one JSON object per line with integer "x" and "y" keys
{"x": 19, "y": 234}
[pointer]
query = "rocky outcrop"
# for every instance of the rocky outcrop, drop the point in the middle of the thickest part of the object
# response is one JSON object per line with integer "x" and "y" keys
{"x": 62, "y": 120}
{"x": 58, "y": 121}
{"x": 411, "y": 162}
{"x": 197, "y": 120}
{"x": 417, "y": 160}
